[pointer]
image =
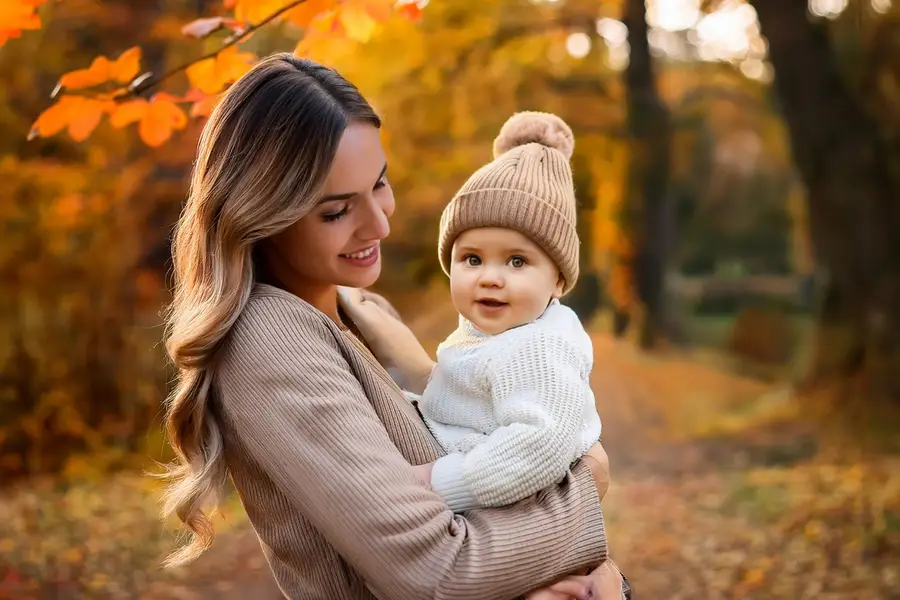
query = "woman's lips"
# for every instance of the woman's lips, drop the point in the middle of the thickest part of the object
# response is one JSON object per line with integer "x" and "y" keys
{"x": 363, "y": 258}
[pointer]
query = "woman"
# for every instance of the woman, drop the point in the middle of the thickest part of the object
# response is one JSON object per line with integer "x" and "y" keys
{"x": 289, "y": 199}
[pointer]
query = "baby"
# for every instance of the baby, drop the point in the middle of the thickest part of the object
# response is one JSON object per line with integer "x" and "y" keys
{"x": 509, "y": 398}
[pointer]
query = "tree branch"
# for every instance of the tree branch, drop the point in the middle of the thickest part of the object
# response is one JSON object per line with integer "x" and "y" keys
{"x": 147, "y": 81}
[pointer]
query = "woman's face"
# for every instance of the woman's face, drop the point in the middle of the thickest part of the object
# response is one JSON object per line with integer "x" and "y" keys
{"x": 338, "y": 242}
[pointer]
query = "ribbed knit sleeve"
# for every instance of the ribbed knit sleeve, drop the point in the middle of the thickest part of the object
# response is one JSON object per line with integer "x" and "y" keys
{"x": 302, "y": 416}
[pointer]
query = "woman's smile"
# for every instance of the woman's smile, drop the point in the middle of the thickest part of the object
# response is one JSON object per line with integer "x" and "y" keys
{"x": 363, "y": 258}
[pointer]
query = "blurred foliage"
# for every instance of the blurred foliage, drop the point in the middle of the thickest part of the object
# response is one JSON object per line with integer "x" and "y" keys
{"x": 119, "y": 89}
{"x": 84, "y": 257}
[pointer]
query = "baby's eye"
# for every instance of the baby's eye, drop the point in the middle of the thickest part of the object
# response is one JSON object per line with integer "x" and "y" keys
{"x": 472, "y": 260}
{"x": 517, "y": 262}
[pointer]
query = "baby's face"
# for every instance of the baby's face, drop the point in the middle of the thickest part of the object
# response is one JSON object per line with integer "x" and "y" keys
{"x": 500, "y": 279}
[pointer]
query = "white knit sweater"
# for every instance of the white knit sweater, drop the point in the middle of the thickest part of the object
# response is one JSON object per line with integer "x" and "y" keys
{"x": 512, "y": 410}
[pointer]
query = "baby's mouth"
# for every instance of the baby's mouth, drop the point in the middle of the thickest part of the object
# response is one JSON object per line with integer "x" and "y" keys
{"x": 491, "y": 303}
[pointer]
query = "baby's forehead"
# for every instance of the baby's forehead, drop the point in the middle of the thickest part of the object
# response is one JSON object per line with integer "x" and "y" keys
{"x": 494, "y": 239}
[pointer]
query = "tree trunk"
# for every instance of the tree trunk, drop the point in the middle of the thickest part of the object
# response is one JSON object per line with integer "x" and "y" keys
{"x": 646, "y": 215}
{"x": 853, "y": 206}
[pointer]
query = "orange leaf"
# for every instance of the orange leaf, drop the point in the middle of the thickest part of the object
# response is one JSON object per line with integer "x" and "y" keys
{"x": 254, "y": 11}
{"x": 356, "y": 20}
{"x": 97, "y": 73}
{"x": 161, "y": 118}
{"x": 127, "y": 65}
{"x": 128, "y": 112}
{"x": 410, "y": 10}
{"x": 85, "y": 120}
{"x": 166, "y": 97}
{"x": 328, "y": 50}
{"x": 102, "y": 70}
{"x": 16, "y": 16}
{"x": 200, "y": 28}
{"x": 202, "y": 76}
{"x": 193, "y": 95}
{"x": 55, "y": 118}
{"x": 309, "y": 10}
{"x": 380, "y": 10}
{"x": 232, "y": 64}
{"x": 205, "y": 106}
{"x": 81, "y": 115}
{"x": 212, "y": 74}
{"x": 327, "y": 23}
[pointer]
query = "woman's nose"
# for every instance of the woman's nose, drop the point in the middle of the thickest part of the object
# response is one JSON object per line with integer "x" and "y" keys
{"x": 376, "y": 224}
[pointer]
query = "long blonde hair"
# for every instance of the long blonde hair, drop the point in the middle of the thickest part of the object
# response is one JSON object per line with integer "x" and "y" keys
{"x": 262, "y": 159}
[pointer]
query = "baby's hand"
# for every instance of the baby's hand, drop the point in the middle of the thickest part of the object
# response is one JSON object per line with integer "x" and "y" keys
{"x": 358, "y": 308}
{"x": 392, "y": 342}
{"x": 423, "y": 473}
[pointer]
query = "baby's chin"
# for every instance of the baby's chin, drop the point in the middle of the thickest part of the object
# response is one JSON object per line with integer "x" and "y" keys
{"x": 496, "y": 326}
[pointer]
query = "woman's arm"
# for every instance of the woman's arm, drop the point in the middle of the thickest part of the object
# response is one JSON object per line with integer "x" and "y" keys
{"x": 305, "y": 420}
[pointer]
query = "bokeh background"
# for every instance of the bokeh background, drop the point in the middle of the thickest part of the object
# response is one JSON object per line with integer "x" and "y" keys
{"x": 737, "y": 174}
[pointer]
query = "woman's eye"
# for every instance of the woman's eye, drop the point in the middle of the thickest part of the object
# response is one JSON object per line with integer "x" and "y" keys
{"x": 381, "y": 182}
{"x": 334, "y": 216}
{"x": 517, "y": 262}
{"x": 472, "y": 260}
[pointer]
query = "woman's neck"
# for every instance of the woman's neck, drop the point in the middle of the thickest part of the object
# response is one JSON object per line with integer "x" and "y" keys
{"x": 321, "y": 297}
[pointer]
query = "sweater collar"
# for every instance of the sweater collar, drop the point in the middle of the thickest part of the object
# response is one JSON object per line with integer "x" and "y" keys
{"x": 469, "y": 327}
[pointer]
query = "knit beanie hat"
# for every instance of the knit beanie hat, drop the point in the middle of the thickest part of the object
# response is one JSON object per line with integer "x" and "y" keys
{"x": 527, "y": 187}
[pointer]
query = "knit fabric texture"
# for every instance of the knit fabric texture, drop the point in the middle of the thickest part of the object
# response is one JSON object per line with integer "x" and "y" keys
{"x": 513, "y": 410}
{"x": 319, "y": 441}
{"x": 528, "y": 187}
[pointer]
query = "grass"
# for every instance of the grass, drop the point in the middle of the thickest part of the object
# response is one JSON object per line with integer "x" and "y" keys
{"x": 90, "y": 538}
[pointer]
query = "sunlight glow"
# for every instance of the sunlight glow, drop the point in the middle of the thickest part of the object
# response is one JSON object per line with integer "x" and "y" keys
{"x": 615, "y": 35}
{"x": 578, "y": 45}
{"x": 679, "y": 30}
{"x": 617, "y": 56}
{"x": 614, "y": 32}
{"x": 830, "y": 9}
{"x": 673, "y": 15}
{"x": 727, "y": 33}
{"x": 754, "y": 68}
{"x": 670, "y": 44}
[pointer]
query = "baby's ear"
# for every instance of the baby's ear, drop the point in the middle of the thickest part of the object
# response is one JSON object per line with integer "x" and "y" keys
{"x": 560, "y": 284}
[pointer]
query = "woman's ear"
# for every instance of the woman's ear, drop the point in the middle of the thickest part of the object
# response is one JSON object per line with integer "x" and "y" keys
{"x": 560, "y": 284}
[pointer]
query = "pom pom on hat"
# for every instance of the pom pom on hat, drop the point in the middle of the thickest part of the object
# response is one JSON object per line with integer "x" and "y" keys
{"x": 535, "y": 127}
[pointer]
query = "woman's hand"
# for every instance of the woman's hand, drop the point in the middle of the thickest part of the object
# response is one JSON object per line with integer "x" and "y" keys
{"x": 603, "y": 583}
{"x": 607, "y": 581}
{"x": 571, "y": 588}
{"x": 392, "y": 342}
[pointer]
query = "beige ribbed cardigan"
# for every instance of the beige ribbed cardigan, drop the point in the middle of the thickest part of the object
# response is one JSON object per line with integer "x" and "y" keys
{"x": 318, "y": 441}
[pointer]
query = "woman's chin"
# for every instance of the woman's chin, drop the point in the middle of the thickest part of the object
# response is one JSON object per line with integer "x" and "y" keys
{"x": 361, "y": 278}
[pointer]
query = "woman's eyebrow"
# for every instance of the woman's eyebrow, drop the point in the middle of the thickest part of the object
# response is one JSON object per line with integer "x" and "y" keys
{"x": 348, "y": 195}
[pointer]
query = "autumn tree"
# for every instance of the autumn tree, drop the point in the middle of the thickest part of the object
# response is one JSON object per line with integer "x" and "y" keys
{"x": 650, "y": 135}
{"x": 845, "y": 161}
{"x": 90, "y": 199}
{"x": 120, "y": 90}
